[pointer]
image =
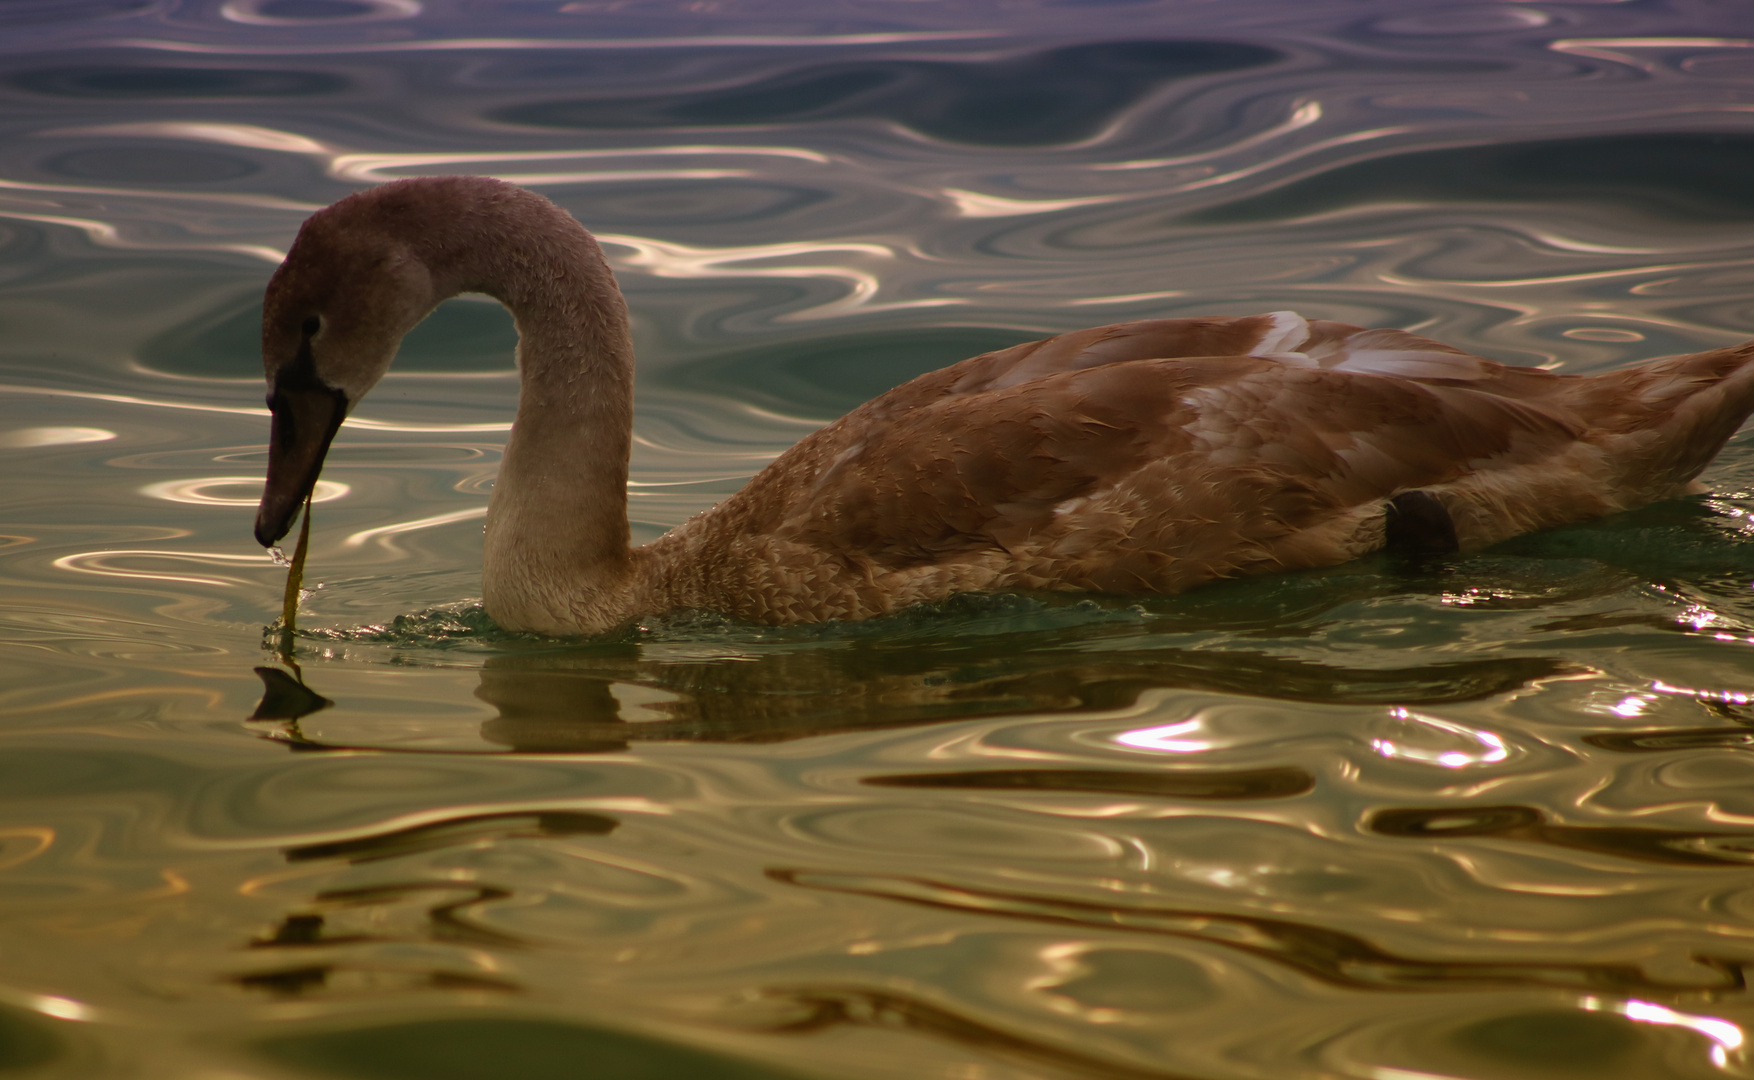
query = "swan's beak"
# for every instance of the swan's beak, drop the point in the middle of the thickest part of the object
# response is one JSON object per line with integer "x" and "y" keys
{"x": 306, "y": 417}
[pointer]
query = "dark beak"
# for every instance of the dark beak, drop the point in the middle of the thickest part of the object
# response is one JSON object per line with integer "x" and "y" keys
{"x": 307, "y": 414}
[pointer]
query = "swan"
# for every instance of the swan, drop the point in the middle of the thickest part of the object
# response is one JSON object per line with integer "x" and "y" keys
{"x": 1144, "y": 456}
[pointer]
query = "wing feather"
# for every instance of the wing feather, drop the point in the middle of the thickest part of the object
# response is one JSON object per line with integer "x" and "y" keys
{"x": 1267, "y": 447}
{"x": 1148, "y": 455}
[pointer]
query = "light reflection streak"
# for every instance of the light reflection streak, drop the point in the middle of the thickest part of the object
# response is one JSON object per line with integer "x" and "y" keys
{"x": 1610, "y": 49}
{"x": 97, "y": 562}
{"x": 1632, "y": 705}
{"x": 1381, "y": 1073}
{"x": 414, "y": 426}
{"x": 39, "y": 837}
{"x": 61, "y": 1008}
{"x": 249, "y": 12}
{"x": 1302, "y": 115}
{"x": 1729, "y": 697}
{"x": 194, "y": 492}
{"x": 357, "y": 422}
{"x": 27, "y": 438}
{"x": 1301, "y": 152}
{"x": 622, "y": 176}
{"x": 1129, "y": 298}
{"x": 1168, "y": 738}
{"x": 207, "y": 697}
{"x": 245, "y": 135}
{"x": 1724, "y": 1035}
{"x": 974, "y": 204}
{"x": 754, "y": 456}
{"x": 103, "y": 234}
{"x": 1602, "y": 333}
{"x": 1698, "y": 616}
{"x": 371, "y": 168}
{"x": 264, "y": 202}
{"x": 635, "y": 484}
{"x": 1493, "y": 749}
{"x": 1566, "y": 243}
{"x": 767, "y": 414}
{"x": 665, "y": 259}
{"x": 383, "y": 533}
{"x": 1556, "y": 279}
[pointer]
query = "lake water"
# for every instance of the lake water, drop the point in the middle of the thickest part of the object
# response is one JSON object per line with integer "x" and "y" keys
{"x": 1487, "y": 818}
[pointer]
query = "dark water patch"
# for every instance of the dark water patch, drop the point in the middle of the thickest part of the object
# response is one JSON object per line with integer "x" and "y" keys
{"x": 1667, "y": 539}
{"x": 38, "y": 12}
{"x": 226, "y": 341}
{"x": 466, "y": 335}
{"x": 446, "y": 914}
{"x": 223, "y": 343}
{"x": 313, "y": 10}
{"x": 828, "y": 1007}
{"x": 828, "y": 376}
{"x": 1454, "y": 21}
{"x": 1330, "y": 956}
{"x": 451, "y": 832}
{"x": 151, "y": 165}
{"x": 21, "y": 242}
{"x": 1268, "y": 783}
{"x": 1053, "y": 96}
{"x": 1607, "y": 620}
{"x": 1663, "y": 740}
{"x": 47, "y": 773}
{"x": 26, "y": 1043}
{"x": 476, "y": 1047}
{"x": 672, "y": 203}
{"x": 370, "y": 980}
{"x": 124, "y": 82}
{"x": 1684, "y": 175}
{"x": 1562, "y": 1042}
{"x": 1137, "y": 980}
{"x": 1526, "y": 824}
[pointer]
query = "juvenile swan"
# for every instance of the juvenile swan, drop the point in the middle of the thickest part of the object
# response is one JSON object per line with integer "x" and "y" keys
{"x": 1141, "y": 457}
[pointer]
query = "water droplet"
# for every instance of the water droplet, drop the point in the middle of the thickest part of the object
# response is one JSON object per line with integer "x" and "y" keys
{"x": 278, "y": 556}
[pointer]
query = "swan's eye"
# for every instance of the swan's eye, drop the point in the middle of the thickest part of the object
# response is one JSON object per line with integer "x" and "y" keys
{"x": 311, "y": 326}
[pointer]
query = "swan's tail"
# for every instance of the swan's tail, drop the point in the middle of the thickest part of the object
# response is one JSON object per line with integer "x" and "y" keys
{"x": 1664, "y": 422}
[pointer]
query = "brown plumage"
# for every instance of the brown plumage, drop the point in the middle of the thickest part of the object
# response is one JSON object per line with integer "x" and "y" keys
{"x": 1141, "y": 457}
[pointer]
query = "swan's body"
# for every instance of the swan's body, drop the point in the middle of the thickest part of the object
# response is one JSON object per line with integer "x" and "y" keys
{"x": 1142, "y": 457}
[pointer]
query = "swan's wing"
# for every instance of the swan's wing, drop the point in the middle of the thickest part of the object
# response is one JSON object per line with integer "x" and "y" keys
{"x": 1192, "y": 458}
{"x": 1282, "y": 336}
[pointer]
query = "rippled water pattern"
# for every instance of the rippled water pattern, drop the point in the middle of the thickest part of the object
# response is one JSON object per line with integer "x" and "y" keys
{"x": 1491, "y": 817}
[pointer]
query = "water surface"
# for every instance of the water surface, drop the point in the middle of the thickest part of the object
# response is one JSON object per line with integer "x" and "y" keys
{"x": 1485, "y": 817}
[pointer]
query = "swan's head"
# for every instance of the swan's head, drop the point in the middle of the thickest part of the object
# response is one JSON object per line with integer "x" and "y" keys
{"x": 334, "y": 314}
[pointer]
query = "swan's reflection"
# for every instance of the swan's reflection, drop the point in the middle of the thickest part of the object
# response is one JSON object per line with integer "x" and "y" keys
{"x": 594, "y": 699}
{"x": 286, "y": 697}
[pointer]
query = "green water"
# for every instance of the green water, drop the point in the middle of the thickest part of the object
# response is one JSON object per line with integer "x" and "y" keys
{"x": 1478, "y": 818}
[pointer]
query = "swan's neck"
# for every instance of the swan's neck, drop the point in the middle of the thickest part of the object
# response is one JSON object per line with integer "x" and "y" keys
{"x": 556, "y": 557}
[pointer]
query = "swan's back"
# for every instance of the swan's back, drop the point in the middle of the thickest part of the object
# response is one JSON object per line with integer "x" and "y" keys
{"x": 1152, "y": 456}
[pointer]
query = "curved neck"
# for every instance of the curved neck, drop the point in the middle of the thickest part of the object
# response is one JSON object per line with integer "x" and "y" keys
{"x": 556, "y": 555}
